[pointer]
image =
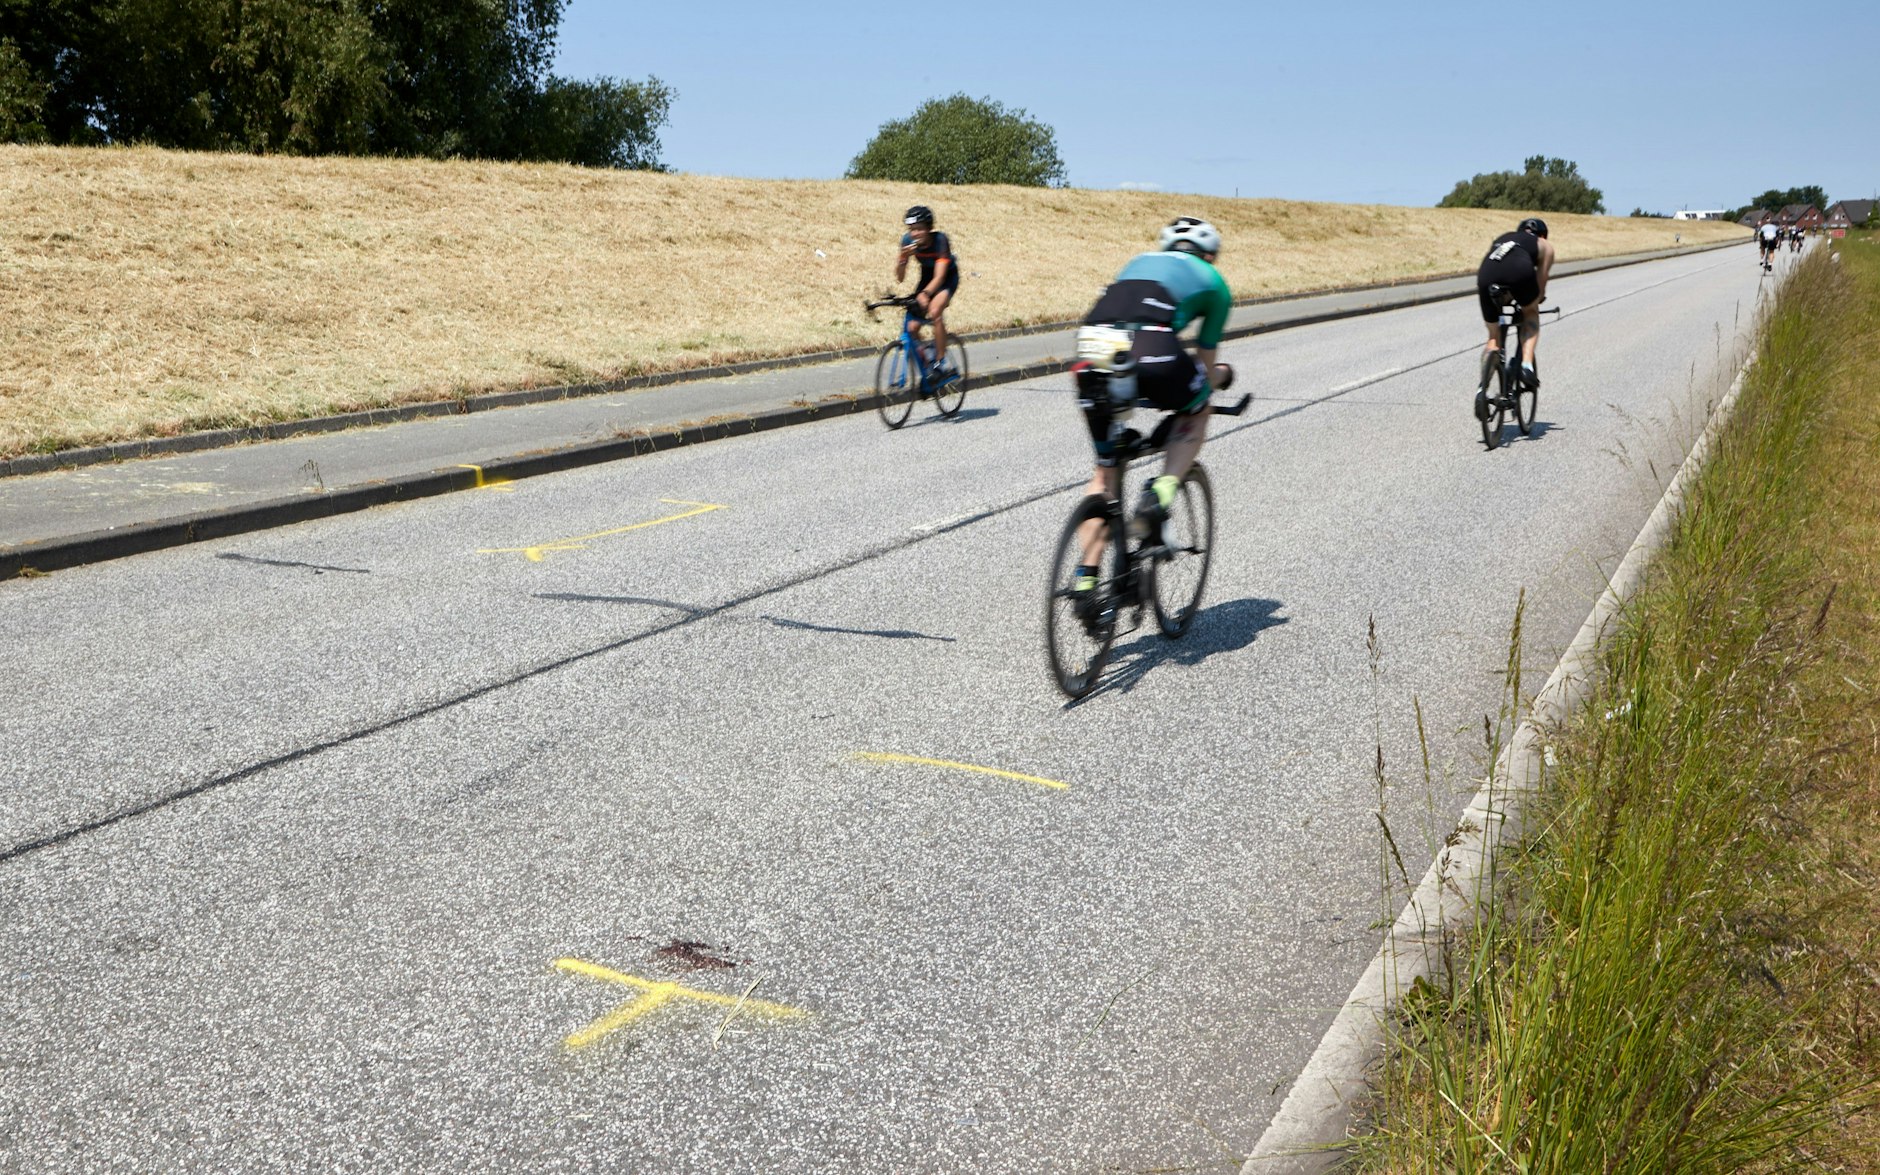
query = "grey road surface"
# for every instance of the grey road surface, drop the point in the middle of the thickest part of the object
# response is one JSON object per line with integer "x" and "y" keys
{"x": 627, "y": 819}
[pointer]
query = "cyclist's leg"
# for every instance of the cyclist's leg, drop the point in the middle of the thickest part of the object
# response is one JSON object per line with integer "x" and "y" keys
{"x": 1093, "y": 398}
{"x": 1530, "y": 328}
{"x": 936, "y": 313}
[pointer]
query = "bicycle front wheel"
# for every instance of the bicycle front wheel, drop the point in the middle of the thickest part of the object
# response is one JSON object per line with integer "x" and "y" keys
{"x": 951, "y": 397}
{"x": 1080, "y": 627}
{"x": 1526, "y": 400}
{"x": 894, "y": 390}
{"x": 1179, "y": 571}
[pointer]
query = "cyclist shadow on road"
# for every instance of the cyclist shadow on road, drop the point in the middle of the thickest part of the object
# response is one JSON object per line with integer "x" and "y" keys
{"x": 1226, "y": 627}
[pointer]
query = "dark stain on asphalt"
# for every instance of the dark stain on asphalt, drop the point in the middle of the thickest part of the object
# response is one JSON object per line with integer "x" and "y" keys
{"x": 316, "y": 568}
{"x": 693, "y": 956}
{"x": 893, "y": 634}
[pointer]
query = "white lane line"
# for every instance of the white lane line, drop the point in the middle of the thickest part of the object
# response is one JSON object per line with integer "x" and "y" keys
{"x": 1355, "y": 384}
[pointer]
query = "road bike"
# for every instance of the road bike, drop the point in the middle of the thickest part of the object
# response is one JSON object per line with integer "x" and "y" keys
{"x": 1512, "y": 392}
{"x": 906, "y": 371}
{"x": 1162, "y": 569}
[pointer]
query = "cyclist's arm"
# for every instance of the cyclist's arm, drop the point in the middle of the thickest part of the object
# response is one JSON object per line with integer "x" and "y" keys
{"x": 900, "y": 259}
{"x": 1205, "y": 357}
{"x": 1547, "y": 265}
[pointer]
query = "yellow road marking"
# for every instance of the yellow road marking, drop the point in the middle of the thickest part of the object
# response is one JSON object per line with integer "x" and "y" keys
{"x": 655, "y": 994}
{"x": 499, "y": 484}
{"x": 579, "y": 541}
{"x": 889, "y": 757}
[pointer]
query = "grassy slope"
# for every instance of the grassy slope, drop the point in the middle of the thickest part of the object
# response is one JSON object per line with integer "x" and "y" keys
{"x": 147, "y": 292}
{"x": 1683, "y": 972}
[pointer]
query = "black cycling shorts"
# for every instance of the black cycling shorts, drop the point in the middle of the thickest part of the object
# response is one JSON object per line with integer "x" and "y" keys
{"x": 1167, "y": 376}
{"x": 1514, "y": 272}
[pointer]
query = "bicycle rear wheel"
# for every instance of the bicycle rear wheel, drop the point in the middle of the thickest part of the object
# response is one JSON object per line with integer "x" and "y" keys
{"x": 1080, "y": 627}
{"x": 1497, "y": 405}
{"x": 951, "y": 398}
{"x": 894, "y": 386}
{"x": 1179, "y": 572}
{"x": 1526, "y": 400}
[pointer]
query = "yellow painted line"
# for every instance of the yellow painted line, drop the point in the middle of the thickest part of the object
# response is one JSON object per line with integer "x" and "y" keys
{"x": 654, "y": 994}
{"x": 536, "y": 553}
{"x": 500, "y": 484}
{"x": 889, "y": 757}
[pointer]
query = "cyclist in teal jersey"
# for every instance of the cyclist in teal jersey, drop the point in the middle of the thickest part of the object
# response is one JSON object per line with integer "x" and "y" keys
{"x": 1131, "y": 331}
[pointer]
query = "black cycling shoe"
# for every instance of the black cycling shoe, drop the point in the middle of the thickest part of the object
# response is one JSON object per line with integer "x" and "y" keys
{"x": 1530, "y": 379}
{"x": 1481, "y": 404}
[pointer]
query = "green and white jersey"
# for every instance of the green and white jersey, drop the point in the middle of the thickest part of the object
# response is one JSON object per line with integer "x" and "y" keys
{"x": 1197, "y": 288}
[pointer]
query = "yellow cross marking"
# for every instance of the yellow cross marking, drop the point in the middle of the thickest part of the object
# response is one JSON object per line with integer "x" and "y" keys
{"x": 579, "y": 541}
{"x": 889, "y": 757}
{"x": 655, "y": 994}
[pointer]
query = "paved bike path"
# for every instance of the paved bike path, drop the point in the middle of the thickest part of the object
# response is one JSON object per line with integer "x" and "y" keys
{"x": 68, "y": 517}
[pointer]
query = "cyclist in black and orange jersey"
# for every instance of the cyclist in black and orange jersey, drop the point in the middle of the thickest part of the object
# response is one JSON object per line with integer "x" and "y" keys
{"x": 939, "y": 278}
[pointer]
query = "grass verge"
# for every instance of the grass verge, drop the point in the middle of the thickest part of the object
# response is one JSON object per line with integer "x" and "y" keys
{"x": 1678, "y": 969}
{"x": 146, "y": 292}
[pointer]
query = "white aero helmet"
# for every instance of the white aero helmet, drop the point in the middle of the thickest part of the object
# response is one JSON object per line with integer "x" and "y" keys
{"x": 1191, "y": 231}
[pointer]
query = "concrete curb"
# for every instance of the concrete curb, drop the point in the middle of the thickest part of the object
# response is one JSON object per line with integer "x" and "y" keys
{"x": 1309, "y": 1134}
{"x": 140, "y": 538}
{"x": 222, "y": 438}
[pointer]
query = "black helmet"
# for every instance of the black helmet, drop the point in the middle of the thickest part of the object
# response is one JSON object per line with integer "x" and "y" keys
{"x": 918, "y": 214}
{"x": 1533, "y": 224}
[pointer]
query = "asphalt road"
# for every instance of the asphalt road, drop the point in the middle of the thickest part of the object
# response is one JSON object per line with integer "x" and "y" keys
{"x": 380, "y": 841}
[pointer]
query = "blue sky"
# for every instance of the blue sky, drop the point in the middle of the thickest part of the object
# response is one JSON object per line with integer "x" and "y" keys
{"x": 1664, "y": 106}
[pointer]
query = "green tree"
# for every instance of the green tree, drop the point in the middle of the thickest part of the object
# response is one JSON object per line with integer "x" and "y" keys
{"x": 962, "y": 140}
{"x": 600, "y": 123}
{"x": 1542, "y": 185}
{"x": 22, "y": 98}
{"x": 407, "y": 77}
{"x": 1776, "y": 199}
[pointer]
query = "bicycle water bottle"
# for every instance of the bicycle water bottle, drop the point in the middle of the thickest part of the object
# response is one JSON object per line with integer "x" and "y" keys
{"x": 1122, "y": 386}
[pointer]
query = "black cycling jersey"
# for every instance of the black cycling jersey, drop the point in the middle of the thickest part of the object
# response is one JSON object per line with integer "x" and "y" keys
{"x": 937, "y": 247}
{"x": 1514, "y": 263}
{"x": 1506, "y": 243}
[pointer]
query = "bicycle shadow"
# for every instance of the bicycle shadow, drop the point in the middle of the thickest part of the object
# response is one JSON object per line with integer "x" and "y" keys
{"x": 1226, "y": 627}
{"x": 962, "y": 416}
{"x": 1541, "y": 428}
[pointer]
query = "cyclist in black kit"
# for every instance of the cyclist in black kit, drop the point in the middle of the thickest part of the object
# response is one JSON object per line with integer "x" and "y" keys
{"x": 1518, "y": 262}
{"x": 939, "y": 278}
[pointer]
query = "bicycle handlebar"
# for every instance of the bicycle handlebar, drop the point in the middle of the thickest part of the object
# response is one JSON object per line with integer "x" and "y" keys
{"x": 904, "y": 301}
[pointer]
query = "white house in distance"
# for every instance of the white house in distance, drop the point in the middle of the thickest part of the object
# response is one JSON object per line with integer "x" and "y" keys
{"x": 1698, "y": 214}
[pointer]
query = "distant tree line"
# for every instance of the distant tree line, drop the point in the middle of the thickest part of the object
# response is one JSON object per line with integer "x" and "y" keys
{"x": 1776, "y": 199}
{"x": 1542, "y": 185}
{"x": 370, "y": 77}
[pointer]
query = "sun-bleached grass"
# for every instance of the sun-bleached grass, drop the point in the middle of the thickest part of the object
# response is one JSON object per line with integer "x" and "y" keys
{"x": 148, "y": 292}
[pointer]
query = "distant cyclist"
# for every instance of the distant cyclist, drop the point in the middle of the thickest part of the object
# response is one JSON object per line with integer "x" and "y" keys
{"x": 1129, "y": 338}
{"x": 1766, "y": 238}
{"x": 1520, "y": 263}
{"x": 939, "y": 277}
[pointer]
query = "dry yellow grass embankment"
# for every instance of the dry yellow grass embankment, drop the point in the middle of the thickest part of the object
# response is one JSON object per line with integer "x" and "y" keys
{"x": 148, "y": 292}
